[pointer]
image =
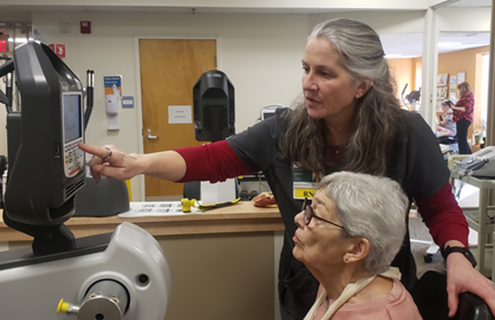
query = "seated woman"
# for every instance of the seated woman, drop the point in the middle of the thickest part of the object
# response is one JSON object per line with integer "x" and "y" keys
{"x": 357, "y": 230}
{"x": 447, "y": 126}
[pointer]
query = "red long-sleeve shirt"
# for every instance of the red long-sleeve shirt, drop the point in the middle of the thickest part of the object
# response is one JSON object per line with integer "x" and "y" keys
{"x": 218, "y": 162}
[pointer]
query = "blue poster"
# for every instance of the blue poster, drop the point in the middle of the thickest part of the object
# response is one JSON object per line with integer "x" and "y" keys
{"x": 109, "y": 83}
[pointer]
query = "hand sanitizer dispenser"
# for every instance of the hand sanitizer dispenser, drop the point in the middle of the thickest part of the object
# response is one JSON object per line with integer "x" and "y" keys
{"x": 112, "y": 108}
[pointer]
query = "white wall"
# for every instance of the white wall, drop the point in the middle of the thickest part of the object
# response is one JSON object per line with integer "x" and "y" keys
{"x": 448, "y": 19}
{"x": 464, "y": 19}
{"x": 229, "y": 4}
{"x": 382, "y": 22}
{"x": 260, "y": 53}
{"x": 8, "y": 17}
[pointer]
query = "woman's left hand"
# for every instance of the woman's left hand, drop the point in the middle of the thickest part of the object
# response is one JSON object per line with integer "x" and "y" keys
{"x": 462, "y": 277}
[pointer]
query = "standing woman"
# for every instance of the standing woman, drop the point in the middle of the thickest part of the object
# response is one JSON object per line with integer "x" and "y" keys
{"x": 348, "y": 118}
{"x": 463, "y": 116}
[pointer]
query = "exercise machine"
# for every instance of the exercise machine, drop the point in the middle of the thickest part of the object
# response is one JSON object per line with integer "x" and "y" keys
{"x": 123, "y": 275}
{"x": 411, "y": 100}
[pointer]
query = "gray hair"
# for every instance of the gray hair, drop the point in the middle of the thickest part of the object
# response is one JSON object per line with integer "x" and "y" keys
{"x": 378, "y": 118}
{"x": 373, "y": 208}
{"x": 359, "y": 46}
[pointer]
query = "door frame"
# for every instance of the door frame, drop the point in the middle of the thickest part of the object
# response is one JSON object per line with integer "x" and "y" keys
{"x": 138, "y": 102}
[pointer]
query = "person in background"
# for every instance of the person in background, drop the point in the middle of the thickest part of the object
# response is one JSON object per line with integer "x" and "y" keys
{"x": 347, "y": 119}
{"x": 447, "y": 125}
{"x": 463, "y": 116}
{"x": 347, "y": 238}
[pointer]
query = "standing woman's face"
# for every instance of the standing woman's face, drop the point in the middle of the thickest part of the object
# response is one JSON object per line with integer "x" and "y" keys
{"x": 328, "y": 88}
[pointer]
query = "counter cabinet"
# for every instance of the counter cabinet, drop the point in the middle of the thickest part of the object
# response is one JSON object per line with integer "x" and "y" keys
{"x": 241, "y": 217}
{"x": 223, "y": 263}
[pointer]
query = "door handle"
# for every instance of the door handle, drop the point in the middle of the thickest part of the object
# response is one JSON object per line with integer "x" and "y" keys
{"x": 149, "y": 136}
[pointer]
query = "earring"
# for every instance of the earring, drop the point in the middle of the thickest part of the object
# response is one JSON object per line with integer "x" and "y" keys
{"x": 357, "y": 96}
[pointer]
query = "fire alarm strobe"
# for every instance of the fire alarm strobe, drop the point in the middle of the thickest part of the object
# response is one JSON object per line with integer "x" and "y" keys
{"x": 85, "y": 26}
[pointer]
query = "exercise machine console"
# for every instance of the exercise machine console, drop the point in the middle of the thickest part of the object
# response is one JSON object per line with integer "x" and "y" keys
{"x": 122, "y": 275}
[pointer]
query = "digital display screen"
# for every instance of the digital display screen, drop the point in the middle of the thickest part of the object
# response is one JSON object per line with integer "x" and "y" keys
{"x": 267, "y": 114}
{"x": 72, "y": 116}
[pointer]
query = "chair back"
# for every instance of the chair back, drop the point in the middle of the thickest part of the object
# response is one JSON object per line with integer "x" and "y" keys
{"x": 430, "y": 295}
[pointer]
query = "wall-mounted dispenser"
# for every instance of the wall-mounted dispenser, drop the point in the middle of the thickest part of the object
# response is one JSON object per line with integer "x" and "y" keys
{"x": 112, "y": 108}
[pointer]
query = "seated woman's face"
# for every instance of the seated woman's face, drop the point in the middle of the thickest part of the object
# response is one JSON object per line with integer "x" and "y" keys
{"x": 319, "y": 244}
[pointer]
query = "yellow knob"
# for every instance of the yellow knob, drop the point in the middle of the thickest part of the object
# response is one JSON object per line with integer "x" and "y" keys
{"x": 187, "y": 204}
{"x": 62, "y": 306}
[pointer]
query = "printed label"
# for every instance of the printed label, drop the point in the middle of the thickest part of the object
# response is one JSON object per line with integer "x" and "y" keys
{"x": 305, "y": 183}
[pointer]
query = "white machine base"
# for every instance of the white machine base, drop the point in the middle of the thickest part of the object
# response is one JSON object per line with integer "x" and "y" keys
{"x": 33, "y": 291}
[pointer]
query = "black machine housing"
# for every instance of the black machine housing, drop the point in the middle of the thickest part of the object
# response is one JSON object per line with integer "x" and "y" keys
{"x": 214, "y": 107}
{"x": 46, "y": 168}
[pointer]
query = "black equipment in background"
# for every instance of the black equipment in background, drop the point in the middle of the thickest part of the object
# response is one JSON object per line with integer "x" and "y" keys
{"x": 6, "y": 99}
{"x": 7, "y": 70}
{"x": 214, "y": 116}
{"x": 414, "y": 96}
{"x": 411, "y": 100}
{"x": 90, "y": 81}
{"x": 214, "y": 109}
{"x": 3, "y": 166}
{"x": 106, "y": 198}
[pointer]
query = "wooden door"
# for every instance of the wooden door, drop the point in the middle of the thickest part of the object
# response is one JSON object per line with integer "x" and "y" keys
{"x": 169, "y": 69}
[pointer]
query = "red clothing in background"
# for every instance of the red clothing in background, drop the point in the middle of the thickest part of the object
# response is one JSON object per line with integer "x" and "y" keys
{"x": 467, "y": 102}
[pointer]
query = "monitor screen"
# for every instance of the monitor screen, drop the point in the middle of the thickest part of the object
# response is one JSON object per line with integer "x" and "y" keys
{"x": 72, "y": 117}
{"x": 265, "y": 114}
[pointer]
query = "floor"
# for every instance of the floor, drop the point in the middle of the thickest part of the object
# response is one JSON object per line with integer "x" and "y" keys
{"x": 419, "y": 231}
{"x": 468, "y": 197}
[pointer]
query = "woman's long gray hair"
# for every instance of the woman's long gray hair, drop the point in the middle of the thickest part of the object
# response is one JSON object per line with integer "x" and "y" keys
{"x": 373, "y": 208}
{"x": 378, "y": 112}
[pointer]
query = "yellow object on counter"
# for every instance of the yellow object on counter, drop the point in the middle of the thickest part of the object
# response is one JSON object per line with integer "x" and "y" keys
{"x": 128, "y": 183}
{"x": 187, "y": 204}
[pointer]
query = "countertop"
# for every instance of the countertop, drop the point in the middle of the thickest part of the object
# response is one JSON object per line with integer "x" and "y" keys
{"x": 241, "y": 217}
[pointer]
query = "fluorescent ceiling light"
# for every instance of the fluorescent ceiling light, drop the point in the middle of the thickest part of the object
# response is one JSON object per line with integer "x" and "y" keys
{"x": 20, "y": 40}
{"x": 448, "y": 44}
{"x": 399, "y": 56}
{"x": 475, "y": 45}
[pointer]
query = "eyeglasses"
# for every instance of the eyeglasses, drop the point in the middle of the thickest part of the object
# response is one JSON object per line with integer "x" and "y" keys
{"x": 309, "y": 214}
